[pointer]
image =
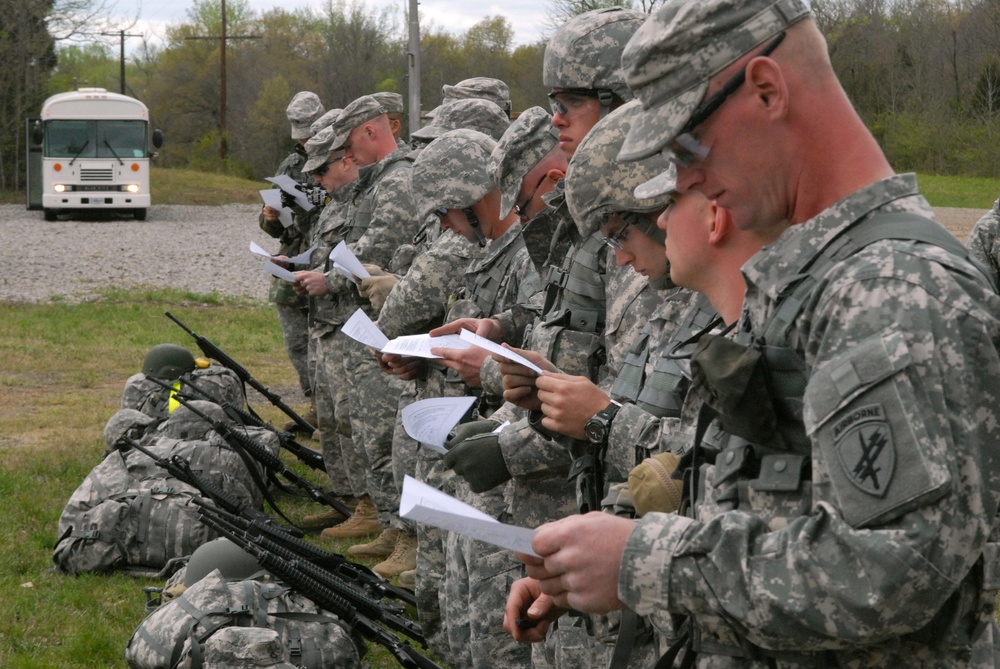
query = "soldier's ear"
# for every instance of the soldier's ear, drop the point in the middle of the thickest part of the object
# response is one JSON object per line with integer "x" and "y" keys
{"x": 719, "y": 222}
{"x": 555, "y": 174}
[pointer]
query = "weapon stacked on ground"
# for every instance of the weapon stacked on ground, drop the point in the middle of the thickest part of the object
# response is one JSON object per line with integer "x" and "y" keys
{"x": 358, "y": 574}
{"x": 308, "y": 456}
{"x": 365, "y": 615}
{"x": 243, "y": 443}
{"x": 212, "y": 351}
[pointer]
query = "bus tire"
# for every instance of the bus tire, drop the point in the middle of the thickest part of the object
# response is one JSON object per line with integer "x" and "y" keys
{"x": 140, "y": 214}
{"x": 50, "y": 214}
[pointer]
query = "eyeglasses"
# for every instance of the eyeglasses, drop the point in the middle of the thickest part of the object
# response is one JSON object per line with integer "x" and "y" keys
{"x": 614, "y": 241}
{"x": 441, "y": 212}
{"x": 570, "y": 99}
{"x": 686, "y": 148}
{"x": 522, "y": 209}
{"x": 322, "y": 169}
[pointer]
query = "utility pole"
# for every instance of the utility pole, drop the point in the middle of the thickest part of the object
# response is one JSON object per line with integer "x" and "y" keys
{"x": 413, "y": 67}
{"x": 122, "y": 34}
{"x": 223, "y": 137}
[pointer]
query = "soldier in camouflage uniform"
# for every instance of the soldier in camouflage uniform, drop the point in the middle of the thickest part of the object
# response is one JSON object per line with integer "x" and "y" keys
{"x": 327, "y": 313}
{"x": 475, "y": 88}
{"x": 393, "y": 105}
{"x": 380, "y": 216}
{"x": 293, "y": 309}
{"x": 850, "y": 519}
{"x": 984, "y": 241}
{"x": 450, "y": 177}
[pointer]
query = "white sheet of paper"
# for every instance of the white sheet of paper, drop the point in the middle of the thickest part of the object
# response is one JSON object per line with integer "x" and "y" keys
{"x": 429, "y": 421}
{"x": 343, "y": 256}
{"x": 272, "y": 198}
{"x": 288, "y": 184}
{"x": 420, "y": 345}
{"x": 361, "y": 328}
{"x": 424, "y": 504}
{"x": 301, "y": 259}
{"x": 279, "y": 272}
{"x": 492, "y": 347}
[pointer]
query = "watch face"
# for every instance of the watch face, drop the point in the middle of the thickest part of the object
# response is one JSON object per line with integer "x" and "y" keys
{"x": 594, "y": 429}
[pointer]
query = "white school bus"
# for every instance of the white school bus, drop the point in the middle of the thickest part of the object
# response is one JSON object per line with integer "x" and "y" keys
{"x": 89, "y": 150}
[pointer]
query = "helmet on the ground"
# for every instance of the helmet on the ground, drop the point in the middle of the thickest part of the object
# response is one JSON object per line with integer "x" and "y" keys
{"x": 168, "y": 362}
{"x": 234, "y": 563}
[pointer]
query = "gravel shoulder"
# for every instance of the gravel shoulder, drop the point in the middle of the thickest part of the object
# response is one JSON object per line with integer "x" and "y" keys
{"x": 196, "y": 248}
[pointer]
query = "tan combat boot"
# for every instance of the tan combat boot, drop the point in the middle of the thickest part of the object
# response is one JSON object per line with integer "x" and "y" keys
{"x": 408, "y": 579}
{"x": 330, "y": 517}
{"x": 362, "y": 523}
{"x": 403, "y": 558}
{"x": 382, "y": 547}
{"x": 310, "y": 417}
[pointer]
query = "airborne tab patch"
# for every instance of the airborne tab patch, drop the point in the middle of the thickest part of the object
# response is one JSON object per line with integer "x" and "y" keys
{"x": 863, "y": 440}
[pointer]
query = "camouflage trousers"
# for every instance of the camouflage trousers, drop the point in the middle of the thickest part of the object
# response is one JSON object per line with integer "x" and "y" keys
{"x": 477, "y": 579}
{"x": 373, "y": 398}
{"x": 431, "y": 562}
{"x": 330, "y": 394}
{"x": 405, "y": 447}
{"x": 294, "y": 321}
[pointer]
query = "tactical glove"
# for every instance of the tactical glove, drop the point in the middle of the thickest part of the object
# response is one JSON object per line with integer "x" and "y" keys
{"x": 652, "y": 485}
{"x": 474, "y": 454}
{"x": 316, "y": 195}
{"x": 377, "y": 288}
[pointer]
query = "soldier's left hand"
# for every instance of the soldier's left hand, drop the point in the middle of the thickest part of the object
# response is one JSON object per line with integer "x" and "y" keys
{"x": 377, "y": 288}
{"x": 479, "y": 460}
{"x": 568, "y": 402}
{"x": 311, "y": 283}
{"x": 465, "y": 361}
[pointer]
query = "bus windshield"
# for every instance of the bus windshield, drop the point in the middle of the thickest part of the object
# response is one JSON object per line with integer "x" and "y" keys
{"x": 95, "y": 139}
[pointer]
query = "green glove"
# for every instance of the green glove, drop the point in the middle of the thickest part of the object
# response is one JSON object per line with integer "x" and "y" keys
{"x": 463, "y": 431}
{"x": 479, "y": 460}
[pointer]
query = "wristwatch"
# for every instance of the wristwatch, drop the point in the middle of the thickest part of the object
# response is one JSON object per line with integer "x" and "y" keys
{"x": 598, "y": 427}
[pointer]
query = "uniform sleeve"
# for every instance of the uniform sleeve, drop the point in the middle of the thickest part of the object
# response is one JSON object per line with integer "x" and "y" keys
{"x": 393, "y": 220}
{"x": 984, "y": 241}
{"x": 901, "y": 414}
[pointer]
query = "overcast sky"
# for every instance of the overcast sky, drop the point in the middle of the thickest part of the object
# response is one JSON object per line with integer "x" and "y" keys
{"x": 527, "y": 17}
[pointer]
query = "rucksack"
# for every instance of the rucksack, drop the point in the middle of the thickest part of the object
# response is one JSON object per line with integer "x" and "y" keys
{"x": 255, "y": 622}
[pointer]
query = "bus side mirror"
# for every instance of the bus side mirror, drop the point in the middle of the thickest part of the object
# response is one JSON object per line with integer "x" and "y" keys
{"x": 157, "y": 138}
{"x": 37, "y": 133}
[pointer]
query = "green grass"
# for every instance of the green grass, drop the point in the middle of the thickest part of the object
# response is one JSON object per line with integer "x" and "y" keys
{"x": 62, "y": 374}
{"x": 970, "y": 192}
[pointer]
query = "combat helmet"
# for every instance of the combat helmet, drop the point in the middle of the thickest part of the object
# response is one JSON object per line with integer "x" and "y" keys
{"x": 586, "y": 53}
{"x": 451, "y": 173}
{"x": 167, "y": 362}
{"x": 599, "y": 185}
{"x": 234, "y": 563}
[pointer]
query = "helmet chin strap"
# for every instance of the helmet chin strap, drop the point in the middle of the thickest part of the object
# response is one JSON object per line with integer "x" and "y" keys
{"x": 606, "y": 98}
{"x": 470, "y": 216}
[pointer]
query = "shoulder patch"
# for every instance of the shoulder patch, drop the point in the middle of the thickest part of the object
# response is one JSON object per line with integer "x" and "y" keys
{"x": 864, "y": 444}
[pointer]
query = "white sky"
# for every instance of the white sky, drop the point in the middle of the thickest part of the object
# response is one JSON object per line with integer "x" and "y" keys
{"x": 527, "y": 17}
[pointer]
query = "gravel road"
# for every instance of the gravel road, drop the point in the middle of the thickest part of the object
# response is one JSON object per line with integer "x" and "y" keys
{"x": 202, "y": 249}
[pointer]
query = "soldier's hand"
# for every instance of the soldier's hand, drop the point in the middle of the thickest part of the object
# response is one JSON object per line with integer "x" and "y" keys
{"x": 479, "y": 460}
{"x": 377, "y": 288}
{"x": 568, "y": 402}
{"x": 374, "y": 270}
{"x": 465, "y": 361}
{"x": 529, "y": 612}
{"x": 489, "y": 328}
{"x": 312, "y": 284}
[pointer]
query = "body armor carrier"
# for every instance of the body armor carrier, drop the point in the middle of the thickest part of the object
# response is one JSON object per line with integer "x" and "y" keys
{"x": 571, "y": 333}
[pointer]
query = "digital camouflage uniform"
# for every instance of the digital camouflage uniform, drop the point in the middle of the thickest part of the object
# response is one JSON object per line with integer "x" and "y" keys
{"x": 452, "y": 173}
{"x": 851, "y": 528}
{"x": 293, "y": 309}
{"x": 984, "y": 241}
{"x": 475, "y": 88}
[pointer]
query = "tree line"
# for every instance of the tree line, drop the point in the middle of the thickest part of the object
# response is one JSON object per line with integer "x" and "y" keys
{"x": 923, "y": 74}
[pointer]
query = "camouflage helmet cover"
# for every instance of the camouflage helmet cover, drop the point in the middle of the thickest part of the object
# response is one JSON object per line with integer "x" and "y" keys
{"x": 528, "y": 139}
{"x": 451, "y": 172}
{"x": 586, "y": 51}
{"x": 304, "y": 108}
{"x": 168, "y": 362}
{"x": 471, "y": 113}
{"x": 484, "y": 88}
{"x": 599, "y": 185}
{"x": 122, "y": 423}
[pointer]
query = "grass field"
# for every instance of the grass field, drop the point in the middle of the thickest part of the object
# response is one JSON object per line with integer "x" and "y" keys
{"x": 62, "y": 374}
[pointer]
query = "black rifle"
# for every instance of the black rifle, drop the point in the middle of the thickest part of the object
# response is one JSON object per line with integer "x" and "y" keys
{"x": 213, "y": 351}
{"x": 358, "y": 574}
{"x": 243, "y": 443}
{"x": 356, "y": 596}
{"x": 308, "y": 456}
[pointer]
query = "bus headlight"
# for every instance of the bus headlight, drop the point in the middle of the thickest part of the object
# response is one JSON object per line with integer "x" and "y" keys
{"x": 59, "y": 188}
{"x": 132, "y": 188}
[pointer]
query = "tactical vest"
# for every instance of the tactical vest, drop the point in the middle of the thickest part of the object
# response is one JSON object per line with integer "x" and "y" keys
{"x": 571, "y": 333}
{"x": 661, "y": 393}
{"x": 363, "y": 204}
{"x": 781, "y": 471}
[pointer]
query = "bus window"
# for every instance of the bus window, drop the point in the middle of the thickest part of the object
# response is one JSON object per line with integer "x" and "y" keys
{"x": 121, "y": 139}
{"x": 68, "y": 139}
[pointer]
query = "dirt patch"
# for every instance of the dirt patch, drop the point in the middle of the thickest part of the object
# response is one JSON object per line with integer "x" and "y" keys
{"x": 959, "y": 221}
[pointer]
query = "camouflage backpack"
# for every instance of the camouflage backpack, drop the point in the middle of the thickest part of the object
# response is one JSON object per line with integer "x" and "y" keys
{"x": 129, "y": 514}
{"x": 151, "y": 398}
{"x": 238, "y": 624}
